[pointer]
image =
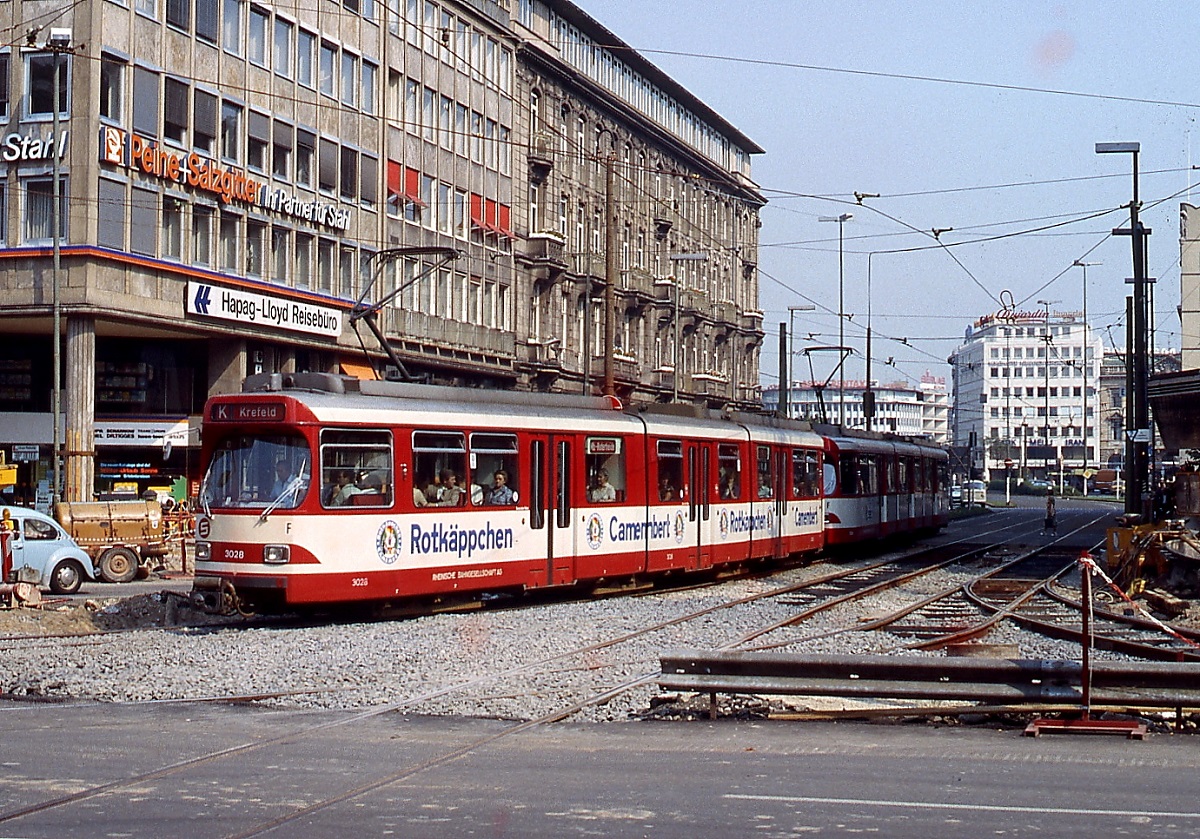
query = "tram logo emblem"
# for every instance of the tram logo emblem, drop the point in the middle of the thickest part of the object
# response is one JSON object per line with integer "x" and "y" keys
{"x": 723, "y": 524}
{"x": 595, "y": 531}
{"x": 679, "y": 527}
{"x": 387, "y": 542}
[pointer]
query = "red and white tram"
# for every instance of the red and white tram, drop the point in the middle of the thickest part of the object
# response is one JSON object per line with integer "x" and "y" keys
{"x": 323, "y": 490}
{"x": 878, "y": 487}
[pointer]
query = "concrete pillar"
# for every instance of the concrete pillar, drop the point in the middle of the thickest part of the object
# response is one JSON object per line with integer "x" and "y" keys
{"x": 226, "y": 365}
{"x": 80, "y": 409}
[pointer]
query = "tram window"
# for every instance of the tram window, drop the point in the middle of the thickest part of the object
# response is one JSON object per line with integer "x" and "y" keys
{"x": 668, "y": 479}
{"x": 255, "y": 471}
{"x": 605, "y": 473}
{"x": 856, "y": 474}
{"x": 903, "y": 464}
{"x": 806, "y": 474}
{"x": 537, "y": 485}
{"x": 356, "y": 468}
{"x": 729, "y": 472}
{"x": 439, "y": 468}
{"x": 943, "y": 476}
{"x": 494, "y": 469}
{"x": 918, "y": 475}
{"x": 766, "y": 481}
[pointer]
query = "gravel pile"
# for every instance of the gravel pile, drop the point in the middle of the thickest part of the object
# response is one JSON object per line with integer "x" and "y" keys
{"x": 458, "y": 664}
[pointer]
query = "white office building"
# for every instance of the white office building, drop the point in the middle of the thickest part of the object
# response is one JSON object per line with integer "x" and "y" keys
{"x": 1023, "y": 383}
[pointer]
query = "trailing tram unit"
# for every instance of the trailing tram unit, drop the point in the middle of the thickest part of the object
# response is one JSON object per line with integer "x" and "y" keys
{"x": 324, "y": 490}
{"x": 878, "y": 487}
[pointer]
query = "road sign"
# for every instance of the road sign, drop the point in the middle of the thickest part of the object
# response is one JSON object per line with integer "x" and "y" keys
{"x": 1008, "y": 464}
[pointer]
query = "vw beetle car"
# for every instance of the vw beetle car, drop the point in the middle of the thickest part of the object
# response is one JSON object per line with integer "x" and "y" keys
{"x": 43, "y": 553}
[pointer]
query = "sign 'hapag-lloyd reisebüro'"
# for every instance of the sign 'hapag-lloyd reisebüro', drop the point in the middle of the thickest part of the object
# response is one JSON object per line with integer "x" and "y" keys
{"x": 133, "y": 151}
{"x": 263, "y": 309}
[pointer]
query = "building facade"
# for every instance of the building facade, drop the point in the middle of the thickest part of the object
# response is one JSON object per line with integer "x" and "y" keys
{"x": 678, "y": 244}
{"x": 1020, "y": 394}
{"x": 220, "y": 187}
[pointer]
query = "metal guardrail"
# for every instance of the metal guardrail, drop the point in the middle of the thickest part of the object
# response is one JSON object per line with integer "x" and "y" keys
{"x": 993, "y": 680}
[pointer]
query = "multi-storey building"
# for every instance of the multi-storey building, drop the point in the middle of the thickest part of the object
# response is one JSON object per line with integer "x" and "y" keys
{"x": 1174, "y": 395}
{"x": 1020, "y": 394}
{"x": 215, "y": 185}
{"x": 678, "y": 246}
{"x": 900, "y": 408}
{"x": 1113, "y": 391}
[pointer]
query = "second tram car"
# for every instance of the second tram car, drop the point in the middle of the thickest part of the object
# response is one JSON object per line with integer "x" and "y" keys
{"x": 322, "y": 490}
{"x": 878, "y": 487}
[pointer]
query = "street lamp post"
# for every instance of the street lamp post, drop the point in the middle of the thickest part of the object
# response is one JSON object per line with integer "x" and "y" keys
{"x": 1087, "y": 362}
{"x": 1136, "y": 439}
{"x": 1047, "y": 339}
{"x": 841, "y": 223}
{"x": 58, "y": 43}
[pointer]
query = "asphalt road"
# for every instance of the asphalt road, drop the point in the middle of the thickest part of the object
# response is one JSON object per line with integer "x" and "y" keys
{"x": 418, "y": 777}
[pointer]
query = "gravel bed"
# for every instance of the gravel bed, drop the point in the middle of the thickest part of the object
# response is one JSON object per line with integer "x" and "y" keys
{"x": 414, "y": 664}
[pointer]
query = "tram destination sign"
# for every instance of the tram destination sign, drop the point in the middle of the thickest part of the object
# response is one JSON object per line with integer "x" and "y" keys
{"x": 208, "y": 300}
{"x": 247, "y": 412}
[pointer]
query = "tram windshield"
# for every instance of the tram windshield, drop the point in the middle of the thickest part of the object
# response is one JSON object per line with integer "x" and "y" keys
{"x": 250, "y": 471}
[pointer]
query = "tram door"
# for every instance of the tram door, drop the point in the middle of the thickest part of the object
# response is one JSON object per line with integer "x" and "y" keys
{"x": 550, "y": 508}
{"x": 699, "y": 460}
{"x": 783, "y": 482}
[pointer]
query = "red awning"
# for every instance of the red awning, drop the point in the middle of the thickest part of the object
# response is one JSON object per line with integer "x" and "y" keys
{"x": 412, "y": 187}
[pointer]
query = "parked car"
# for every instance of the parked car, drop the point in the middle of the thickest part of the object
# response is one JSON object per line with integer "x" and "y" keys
{"x": 956, "y": 496}
{"x": 44, "y": 554}
{"x": 975, "y": 492}
{"x": 1039, "y": 484}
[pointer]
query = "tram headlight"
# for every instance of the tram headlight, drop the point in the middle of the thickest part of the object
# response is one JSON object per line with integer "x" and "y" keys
{"x": 276, "y": 554}
{"x": 203, "y": 551}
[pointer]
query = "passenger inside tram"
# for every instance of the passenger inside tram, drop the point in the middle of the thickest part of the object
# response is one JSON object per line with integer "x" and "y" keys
{"x": 451, "y": 493}
{"x": 603, "y": 492}
{"x": 501, "y": 492}
{"x": 725, "y": 485}
{"x": 667, "y": 492}
{"x": 342, "y": 489}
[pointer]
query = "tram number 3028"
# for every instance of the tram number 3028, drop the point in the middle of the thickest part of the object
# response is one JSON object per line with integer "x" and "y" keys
{"x": 358, "y": 582}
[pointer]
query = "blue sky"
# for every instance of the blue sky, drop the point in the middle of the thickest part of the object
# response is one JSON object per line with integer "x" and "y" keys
{"x": 987, "y": 152}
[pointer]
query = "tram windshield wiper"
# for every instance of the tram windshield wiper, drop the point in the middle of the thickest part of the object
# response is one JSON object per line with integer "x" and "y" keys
{"x": 292, "y": 489}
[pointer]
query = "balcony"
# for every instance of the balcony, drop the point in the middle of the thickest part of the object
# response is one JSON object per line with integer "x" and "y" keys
{"x": 590, "y": 265}
{"x": 546, "y": 253}
{"x": 725, "y": 312}
{"x": 710, "y": 384}
{"x": 663, "y": 377}
{"x": 541, "y": 157}
{"x": 547, "y": 248}
{"x": 626, "y": 368}
{"x": 450, "y": 339}
{"x": 752, "y": 319}
{"x": 637, "y": 290}
{"x": 664, "y": 292}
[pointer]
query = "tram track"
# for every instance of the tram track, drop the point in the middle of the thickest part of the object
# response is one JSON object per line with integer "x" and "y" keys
{"x": 489, "y": 679}
{"x": 870, "y": 576}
